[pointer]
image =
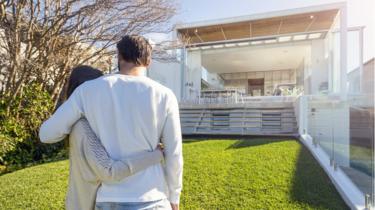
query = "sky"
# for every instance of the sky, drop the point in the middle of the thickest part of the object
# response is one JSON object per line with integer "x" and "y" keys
{"x": 360, "y": 13}
{"x": 200, "y": 10}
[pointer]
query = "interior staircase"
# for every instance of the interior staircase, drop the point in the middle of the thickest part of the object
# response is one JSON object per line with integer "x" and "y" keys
{"x": 266, "y": 119}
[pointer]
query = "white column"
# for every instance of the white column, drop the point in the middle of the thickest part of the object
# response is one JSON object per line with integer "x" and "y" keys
{"x": 341, "y": 134}
{"x": 319, "y": 66}
{"x": 343, "y": 51}
{"x": 360, "y": 59}
{"x": 193, "y": 74}
{"x": 183, "y": 69}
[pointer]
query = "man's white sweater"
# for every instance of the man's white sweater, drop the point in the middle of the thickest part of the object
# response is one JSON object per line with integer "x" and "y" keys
{"x": 130, "y": 115}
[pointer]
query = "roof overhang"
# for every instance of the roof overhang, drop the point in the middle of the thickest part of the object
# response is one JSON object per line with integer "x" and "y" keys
{"x": 301, "y": 20}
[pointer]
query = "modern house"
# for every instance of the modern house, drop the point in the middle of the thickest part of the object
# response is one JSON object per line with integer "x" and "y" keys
{"x": 282, "y": 73}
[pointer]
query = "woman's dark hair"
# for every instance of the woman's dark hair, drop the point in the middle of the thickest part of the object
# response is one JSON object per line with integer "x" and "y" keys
{"x": 79, "y": 75}
{"x": 135, "y": 49}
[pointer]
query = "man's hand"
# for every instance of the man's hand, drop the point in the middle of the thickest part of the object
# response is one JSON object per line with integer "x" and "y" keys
{"x": 160, "y": 146}
{"x": 175, "y": 206}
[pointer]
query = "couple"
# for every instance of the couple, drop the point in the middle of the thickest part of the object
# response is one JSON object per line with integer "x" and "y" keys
{"x": 124, "y": 135}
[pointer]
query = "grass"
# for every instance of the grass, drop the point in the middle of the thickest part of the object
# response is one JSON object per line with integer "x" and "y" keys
{"x": 257, "y": 173}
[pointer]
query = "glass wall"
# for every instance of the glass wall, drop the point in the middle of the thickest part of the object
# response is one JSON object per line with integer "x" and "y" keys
{"x": 343, "y": 127}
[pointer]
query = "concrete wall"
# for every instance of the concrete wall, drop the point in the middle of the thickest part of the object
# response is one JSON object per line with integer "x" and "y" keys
{"x": 167, "y": 74}
{"x": 193, "y": 75}
{"x": 170, "y": 75}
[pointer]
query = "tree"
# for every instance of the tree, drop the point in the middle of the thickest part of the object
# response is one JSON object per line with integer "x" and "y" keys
{"x": 42, "y": 40}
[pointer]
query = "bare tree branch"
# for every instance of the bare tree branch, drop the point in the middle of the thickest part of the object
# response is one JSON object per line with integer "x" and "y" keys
{"x": 42, "y": 40}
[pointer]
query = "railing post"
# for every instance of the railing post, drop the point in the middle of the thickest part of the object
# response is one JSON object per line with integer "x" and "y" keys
{"x": 199, "y": 96}
{"x": 303, "y": 115}
{"x": 368, "y": 202}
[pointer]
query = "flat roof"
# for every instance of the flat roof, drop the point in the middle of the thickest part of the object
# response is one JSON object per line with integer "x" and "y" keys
{"x": 301, "y": 20}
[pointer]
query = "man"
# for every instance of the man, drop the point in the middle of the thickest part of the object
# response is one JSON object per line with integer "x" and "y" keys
{"x": 131, "y": 114}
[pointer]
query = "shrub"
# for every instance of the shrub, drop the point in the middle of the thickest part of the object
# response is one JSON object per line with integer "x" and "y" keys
{"x": 20, "y": 120}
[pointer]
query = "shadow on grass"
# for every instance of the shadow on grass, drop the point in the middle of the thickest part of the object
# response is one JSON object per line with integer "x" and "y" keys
{"x": 192, "y": 140}
{"x": 256, "y": 141}
{"x": 312, "y": 186}
{"x": 197, "y": 138}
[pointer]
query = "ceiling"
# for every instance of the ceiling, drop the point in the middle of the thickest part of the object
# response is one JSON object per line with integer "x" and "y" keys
{"x": 262, "y": 58}
{"x": 300, "y": 23}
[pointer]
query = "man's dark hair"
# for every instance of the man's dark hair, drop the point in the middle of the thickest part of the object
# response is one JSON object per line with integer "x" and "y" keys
{"x": 135, "y": 49}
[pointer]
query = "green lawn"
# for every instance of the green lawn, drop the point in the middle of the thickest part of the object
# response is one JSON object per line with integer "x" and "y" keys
{"x": 257, "y": 173}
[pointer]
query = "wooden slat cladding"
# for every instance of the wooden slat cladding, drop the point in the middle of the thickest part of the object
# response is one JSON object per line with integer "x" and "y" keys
{"x": 266, "y": 27}
{"x": 258, "y": 120}
{"x": 296, "y": 24}
{"x": 236, "y": 30}
{"x": 307, "y": 22}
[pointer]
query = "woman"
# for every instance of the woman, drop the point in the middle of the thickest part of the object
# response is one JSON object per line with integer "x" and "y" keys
{"x": 89, "y": 161}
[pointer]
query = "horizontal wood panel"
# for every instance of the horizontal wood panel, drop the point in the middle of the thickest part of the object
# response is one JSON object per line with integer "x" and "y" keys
{"x": 306, "y": 22}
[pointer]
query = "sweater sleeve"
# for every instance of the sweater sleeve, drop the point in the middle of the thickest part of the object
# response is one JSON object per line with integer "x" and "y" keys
{"x": 172, "y": 140}
{"x": 59, "y": 125}
{"x": 108, "y": 169}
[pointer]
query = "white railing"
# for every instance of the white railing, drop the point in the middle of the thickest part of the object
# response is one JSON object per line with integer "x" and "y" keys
{"x": 250, "y": 99}
{"x": 237, "y": 99}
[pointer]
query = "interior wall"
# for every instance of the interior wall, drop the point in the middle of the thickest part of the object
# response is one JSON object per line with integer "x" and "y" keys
{"x": 271, "y": 79}
{"x": 240, "y": 84}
